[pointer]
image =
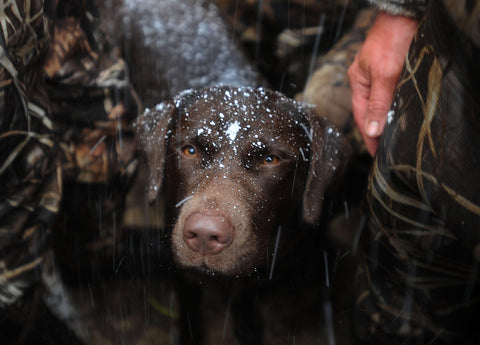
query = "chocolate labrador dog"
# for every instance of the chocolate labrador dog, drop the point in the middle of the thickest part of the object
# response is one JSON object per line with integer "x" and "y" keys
{"x": 237, "y": 167}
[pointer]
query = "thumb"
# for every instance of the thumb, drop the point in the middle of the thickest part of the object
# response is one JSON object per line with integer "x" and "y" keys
{"x": 379, "y": 103}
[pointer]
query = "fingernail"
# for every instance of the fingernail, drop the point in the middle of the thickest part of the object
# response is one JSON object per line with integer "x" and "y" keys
{"x": 373, "y": 129}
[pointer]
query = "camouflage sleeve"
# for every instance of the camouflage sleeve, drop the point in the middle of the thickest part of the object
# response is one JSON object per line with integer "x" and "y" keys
{"x": 409, "y": 8}
{"x": 30, "y": 184}
{"x": 422, "y": 241}
{"x": 66, "y": 108}
{"x": 92, "y": 105}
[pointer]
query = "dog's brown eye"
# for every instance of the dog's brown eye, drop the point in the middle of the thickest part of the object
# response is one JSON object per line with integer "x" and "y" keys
{"x": 189, "y": 151}
{"x": 270, "y": 159}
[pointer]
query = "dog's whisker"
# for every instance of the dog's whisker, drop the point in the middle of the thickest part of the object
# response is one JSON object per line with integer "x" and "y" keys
{"x": 180, "y": 203}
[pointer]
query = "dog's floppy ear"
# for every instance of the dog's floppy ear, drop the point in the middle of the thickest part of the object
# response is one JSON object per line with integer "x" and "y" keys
{"x": 329, "y": 153}
{"x": 151, "y": 132}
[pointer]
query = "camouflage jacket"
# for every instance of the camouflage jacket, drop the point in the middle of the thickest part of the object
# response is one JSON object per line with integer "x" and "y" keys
{"x": 66, "y": 106}
{"x": 410, "y": 8}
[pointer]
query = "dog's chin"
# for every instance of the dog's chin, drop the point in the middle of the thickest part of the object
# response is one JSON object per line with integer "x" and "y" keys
{"x": 203, "y": 275}
{"x": 217, "y": 267}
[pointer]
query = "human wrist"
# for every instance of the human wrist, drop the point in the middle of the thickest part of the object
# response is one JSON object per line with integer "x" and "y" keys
{"x": 394, "y": 33}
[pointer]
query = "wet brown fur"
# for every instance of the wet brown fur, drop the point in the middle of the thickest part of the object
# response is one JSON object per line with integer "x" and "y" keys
{"x": 227, "y": 175}
{"x": 233, "y": 132}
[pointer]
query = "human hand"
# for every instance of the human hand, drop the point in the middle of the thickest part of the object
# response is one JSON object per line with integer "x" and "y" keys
{"x": 375, "y": 72}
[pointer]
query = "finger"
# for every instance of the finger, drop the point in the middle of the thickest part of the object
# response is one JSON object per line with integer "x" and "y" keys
{"x": 379, "y": 103}
{"x": 360, "y": 105}
{"x": 360, "y": 87}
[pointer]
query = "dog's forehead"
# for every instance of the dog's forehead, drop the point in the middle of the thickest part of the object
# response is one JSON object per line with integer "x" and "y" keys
{"x": 244, "y": 113}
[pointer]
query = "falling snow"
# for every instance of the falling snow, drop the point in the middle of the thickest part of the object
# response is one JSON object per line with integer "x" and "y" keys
{"x": 233, "y": 130}
{"x": 390, "y": 116}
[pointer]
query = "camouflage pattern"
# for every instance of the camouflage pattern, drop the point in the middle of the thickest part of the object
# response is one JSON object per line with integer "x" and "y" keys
{"x": 30, "y": 175}
{"x": 409, "y": 8}
{"x": 92, "y": 108}
{"x": 77, "y": 142}
{"x": 68, "y": 156}
{"x": 282, "y": 37}
{"x": 66, "y": 106}
{"x": 420, "y": 281}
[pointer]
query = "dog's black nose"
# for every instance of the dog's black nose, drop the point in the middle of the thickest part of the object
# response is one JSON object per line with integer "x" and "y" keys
{"x": 208, "y": 234}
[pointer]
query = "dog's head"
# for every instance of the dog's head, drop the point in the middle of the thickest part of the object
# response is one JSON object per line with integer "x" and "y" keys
{"x": 234, "y": 164}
